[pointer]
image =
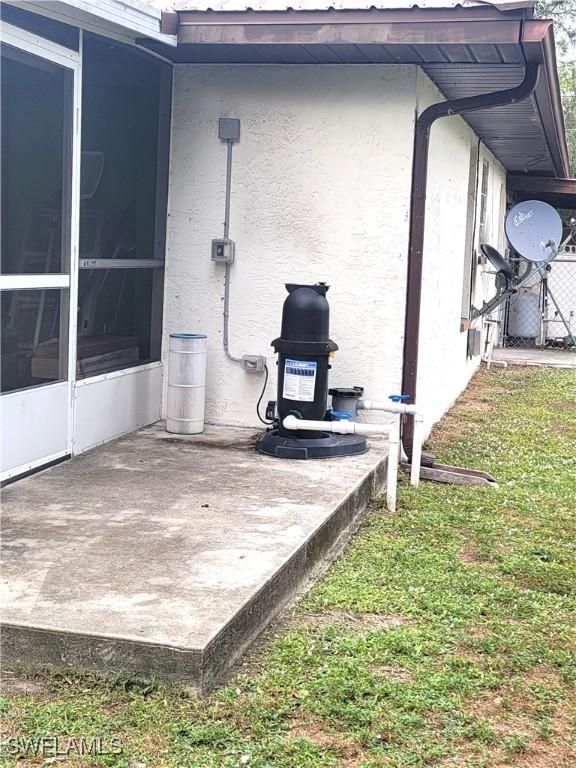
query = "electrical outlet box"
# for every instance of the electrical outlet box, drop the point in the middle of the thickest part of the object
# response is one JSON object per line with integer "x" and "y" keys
{"x": 229, "y": 129}
{"x": 253, "y": 363}
{"x": 223, "y": 251}
{"x": 474, "y": 342}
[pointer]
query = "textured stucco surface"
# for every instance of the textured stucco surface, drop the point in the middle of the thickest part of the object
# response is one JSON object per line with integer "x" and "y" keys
{"x": 444, "y": 369}
{"x": 321, "y": 183}
{"x": 321, "y": 190}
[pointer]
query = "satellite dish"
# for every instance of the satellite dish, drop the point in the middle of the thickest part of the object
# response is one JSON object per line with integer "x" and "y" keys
{"x": 534, "y": 230}
{"x": 497, "y": 260}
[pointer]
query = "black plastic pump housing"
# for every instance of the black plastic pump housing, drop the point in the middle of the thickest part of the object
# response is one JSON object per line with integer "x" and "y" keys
{"x": 304, "y": 348}
{"x": 306, "y": 314}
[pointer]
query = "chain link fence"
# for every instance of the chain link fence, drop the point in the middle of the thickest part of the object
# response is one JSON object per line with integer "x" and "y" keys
{"x": 542, "y": 313}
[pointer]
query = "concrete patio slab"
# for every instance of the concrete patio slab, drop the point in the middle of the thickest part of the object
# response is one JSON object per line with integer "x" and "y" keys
{"x": 545, "y": 358}
{"x": 165, "y": 555}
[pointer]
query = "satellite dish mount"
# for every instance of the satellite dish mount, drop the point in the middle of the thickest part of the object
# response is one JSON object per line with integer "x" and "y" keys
{"x": 534, "y": 230}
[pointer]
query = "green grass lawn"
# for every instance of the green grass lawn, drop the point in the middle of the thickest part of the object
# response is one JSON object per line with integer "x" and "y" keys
{"x": 445, "y": 635}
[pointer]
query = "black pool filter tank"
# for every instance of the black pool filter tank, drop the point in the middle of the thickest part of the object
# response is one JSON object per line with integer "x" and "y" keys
{"x": 304, "y": 349}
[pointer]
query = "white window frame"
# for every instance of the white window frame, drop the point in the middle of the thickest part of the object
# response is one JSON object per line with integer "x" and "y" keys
{"x": 469, "y": 249}
{"x": 71, "y": 60}
{"x": 484, "y": 195}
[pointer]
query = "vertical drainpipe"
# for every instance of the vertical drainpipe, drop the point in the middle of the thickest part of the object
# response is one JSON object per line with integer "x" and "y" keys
{"x": 417, "y": 219}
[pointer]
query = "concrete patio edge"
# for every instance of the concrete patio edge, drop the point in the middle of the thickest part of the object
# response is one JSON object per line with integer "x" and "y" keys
{"x": 27, "y": 647}
{"x": 229, "y": 644}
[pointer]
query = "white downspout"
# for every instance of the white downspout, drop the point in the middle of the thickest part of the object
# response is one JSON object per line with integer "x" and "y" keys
{"x": 345, "y": 427}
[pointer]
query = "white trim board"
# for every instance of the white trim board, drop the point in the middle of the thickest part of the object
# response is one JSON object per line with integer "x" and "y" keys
{"x": 24, "y": 282}
{"x": 124, "y": 19}
{"x": 32, "y": 465}
{"x": 41, "y": 46}
{"x": 116, "y": 374}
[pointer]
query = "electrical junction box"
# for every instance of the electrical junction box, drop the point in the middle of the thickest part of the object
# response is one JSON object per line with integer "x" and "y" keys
{"x": 474, "y": 342}
{"x": 223, "y": 250}
{"x": 229, "y": 129}
{"x": 253, "y": 363}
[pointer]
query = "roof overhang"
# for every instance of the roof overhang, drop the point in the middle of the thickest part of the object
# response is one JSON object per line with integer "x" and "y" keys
{"x": 122, "y": 18}
{"x": 464, "y": 50}
{"x": 561, "y": 193}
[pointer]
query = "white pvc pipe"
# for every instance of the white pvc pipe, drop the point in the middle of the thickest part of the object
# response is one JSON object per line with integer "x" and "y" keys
{"x": 392, "y": 467}
{"x": 389, "y": 407}
{"x": 345, "y": 427}
{"x": 341, "y": 427}
{"x": 418, "y": 438}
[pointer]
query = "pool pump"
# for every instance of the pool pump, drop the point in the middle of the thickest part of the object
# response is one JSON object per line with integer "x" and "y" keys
{"x": 304, "y": 349}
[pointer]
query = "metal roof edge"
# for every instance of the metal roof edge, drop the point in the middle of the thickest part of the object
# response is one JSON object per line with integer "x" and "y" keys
{"x": 172, "y": 19}
{"x": 222, "y": 7}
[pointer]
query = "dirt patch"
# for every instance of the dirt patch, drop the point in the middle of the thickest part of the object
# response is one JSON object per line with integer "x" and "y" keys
{"x": 349, "y": 752}
{"x": 393, "y": 673}
{"x": 357, "y": 621}
{"x": 542, "y": 674}
{"x": 566, "y": 430}
{"x": 557, "y": 751}
{"x": 567, "y": 406}
{"x": 512, "y": 713}
{"x": 451, "y": 429}
{"x": 463, "y": 758}
{"x": 476, "y": 400}
{"x": 154, "y": 745}
{"x": 476, "y": 633}
{"x": 543, "y": 754}
{"x": 502, "y": 705}
{"x": 22, "y": 686}
{"x": 8, "y": 728}
{"x": 469, "y": 556}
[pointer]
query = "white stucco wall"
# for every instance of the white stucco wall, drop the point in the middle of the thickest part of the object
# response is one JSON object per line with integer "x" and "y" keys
{"x": 321, "y": 184}
{"x": 444, "y": 368}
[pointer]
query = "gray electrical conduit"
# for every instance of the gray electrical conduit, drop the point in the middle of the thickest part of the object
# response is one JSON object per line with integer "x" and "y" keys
{"x": 226, "y": 335}
{"x": 226, "y": 313}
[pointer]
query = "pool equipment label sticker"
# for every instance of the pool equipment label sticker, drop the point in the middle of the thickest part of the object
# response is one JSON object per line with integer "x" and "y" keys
{"x": 299, "y": 380}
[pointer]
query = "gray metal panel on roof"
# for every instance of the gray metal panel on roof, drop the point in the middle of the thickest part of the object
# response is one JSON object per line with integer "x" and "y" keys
{"x": 513, "y": 133}
{"x": 336, "y": 5}
{"x": 443, "y": 64}
{"x": 456, "y": 80}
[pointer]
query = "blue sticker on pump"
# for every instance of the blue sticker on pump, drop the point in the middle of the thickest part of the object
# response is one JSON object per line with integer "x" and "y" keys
{"x": 299, "y": 380}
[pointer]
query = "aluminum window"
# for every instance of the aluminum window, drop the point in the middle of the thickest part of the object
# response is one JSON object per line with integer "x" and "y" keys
{"x": 125, "y": 126}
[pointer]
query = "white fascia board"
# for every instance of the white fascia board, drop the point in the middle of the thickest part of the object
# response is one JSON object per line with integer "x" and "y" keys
{"x": 123, "y": 18}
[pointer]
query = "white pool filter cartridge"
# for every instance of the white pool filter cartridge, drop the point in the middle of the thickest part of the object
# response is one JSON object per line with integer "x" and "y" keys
{"x": 186, "y": 383}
